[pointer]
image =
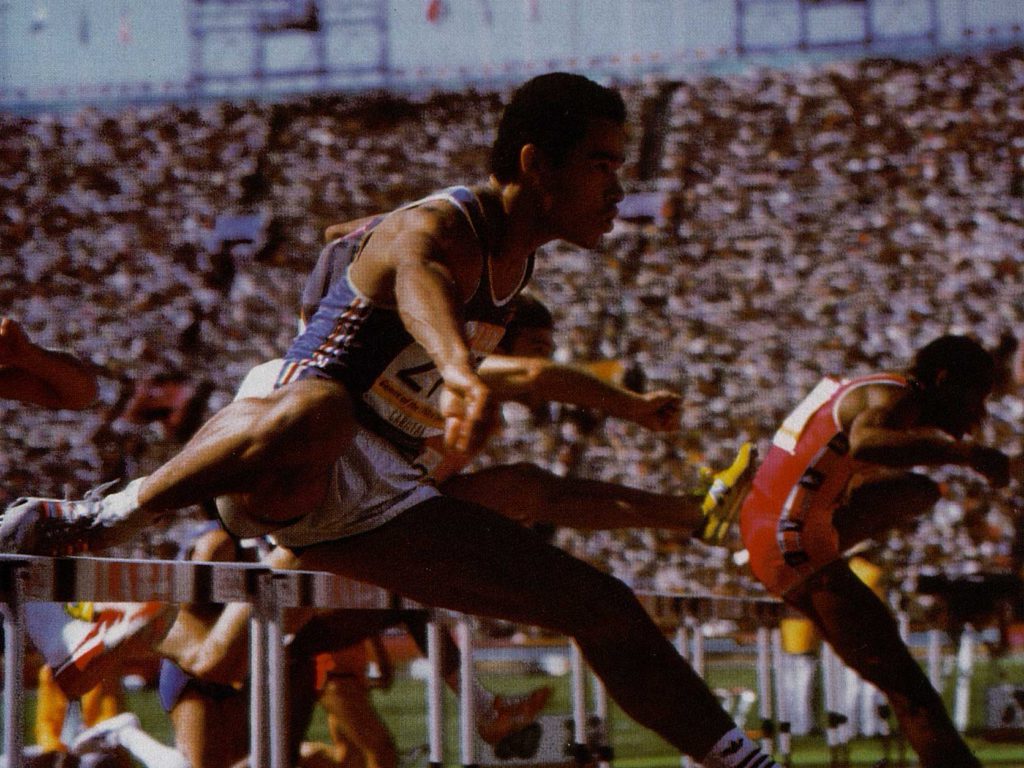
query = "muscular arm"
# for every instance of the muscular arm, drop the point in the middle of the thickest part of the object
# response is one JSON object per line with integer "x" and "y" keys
{"x": 32, "y": 374}
{"x": 426, "y": 263}
{"x": 877, "y": 437}
{"x": 532, "y": 380}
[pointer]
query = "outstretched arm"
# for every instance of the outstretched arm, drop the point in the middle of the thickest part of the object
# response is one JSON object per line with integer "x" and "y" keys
{"x": 532, "y": 380}
{"x": 425, "y": 262}
{"x": 876, "y": 437}
{"x": 33, "y": 374}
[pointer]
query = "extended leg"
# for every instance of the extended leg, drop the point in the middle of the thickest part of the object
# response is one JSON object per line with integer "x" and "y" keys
{"x": 526, "y": 493}
{"x": 466, "y": 558}
{"x": 271, "y": 457}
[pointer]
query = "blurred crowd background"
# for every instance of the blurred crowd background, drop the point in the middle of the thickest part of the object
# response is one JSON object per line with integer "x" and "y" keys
{"x": 794, "y": 223}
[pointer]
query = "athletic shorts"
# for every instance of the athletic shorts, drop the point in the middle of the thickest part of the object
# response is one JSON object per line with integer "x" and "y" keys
{"x": 778, "y": 569}
{"x": 370, "y": 485}
{"x": 174, "y": 682}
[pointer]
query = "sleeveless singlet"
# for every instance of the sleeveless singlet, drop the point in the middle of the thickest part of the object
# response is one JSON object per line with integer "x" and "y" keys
{"x": 786, "y": 520}
{"x": 395, "y": 384}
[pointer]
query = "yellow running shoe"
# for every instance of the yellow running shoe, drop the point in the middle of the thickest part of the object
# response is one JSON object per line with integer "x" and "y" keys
{"x": 728, "y": 489}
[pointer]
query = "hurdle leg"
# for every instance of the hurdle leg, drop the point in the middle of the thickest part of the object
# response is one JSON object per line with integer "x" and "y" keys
{"x": 467, "y": 702}
{"x": 259, "y": 727}
{"x": 605, "y": 753}
{"x": 935, "y": 658}
{"x": 782, "y": 705}
{"x": 690, "y": 644}
{"x": 435, "y": 695}
{"x": 580, "y": 750}
{"x": 764, "y": 689}
{"x": 964, "y": 672}
{"x": 277, "y": 689}
{"x": 836, "y": 720}
{"x": 14, "y": 662}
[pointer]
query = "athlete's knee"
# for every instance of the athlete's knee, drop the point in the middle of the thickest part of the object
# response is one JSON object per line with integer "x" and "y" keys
{"x": 311, "y": 411}
{"x": 599, "y": 604}
{"x": 923, "y": 491}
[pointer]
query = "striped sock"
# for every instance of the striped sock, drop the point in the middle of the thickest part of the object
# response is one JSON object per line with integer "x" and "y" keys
{"x": 735, "y": 750}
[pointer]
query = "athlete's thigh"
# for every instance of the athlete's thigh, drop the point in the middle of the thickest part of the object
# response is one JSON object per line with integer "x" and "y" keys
{"x": 852, "y": 619}
{"x": 514, "y": 490}
{"x": 461, "y": 556}
{"x": 882, "y": 500}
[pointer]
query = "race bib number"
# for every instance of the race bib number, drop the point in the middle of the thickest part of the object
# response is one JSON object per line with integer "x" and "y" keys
{"x": 407, "y": 392}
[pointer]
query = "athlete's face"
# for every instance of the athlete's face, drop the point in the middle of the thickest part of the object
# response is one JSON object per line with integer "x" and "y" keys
{"x": 957, "y": 409}
{"x": 584, "y": 192}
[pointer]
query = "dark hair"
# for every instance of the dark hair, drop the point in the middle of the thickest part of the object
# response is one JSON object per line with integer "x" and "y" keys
{"x": 528, "y": 312}
{"x": 553, "y": 112}
{"x": 963, "y": 360}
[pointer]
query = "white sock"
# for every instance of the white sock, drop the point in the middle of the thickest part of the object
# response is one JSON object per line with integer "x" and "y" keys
{"x": 735, "y": 750}
{"x": 148, "y": 751}
{"x": 118, "y": 507}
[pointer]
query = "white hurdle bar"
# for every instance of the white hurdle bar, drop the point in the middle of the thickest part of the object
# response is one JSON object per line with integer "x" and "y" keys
{"x": 26, "y": 579}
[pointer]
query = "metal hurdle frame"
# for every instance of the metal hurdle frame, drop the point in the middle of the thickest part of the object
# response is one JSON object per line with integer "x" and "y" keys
{"x": 39, "y": 579}
{"x": 26, "y": 579}
{"x": 695, "y": 609}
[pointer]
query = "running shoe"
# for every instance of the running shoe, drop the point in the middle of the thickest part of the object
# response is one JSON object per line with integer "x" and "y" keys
{"x": 511, "y": 714}
{"x": 723, "y": 499}
{"x": 82, "y": 642}
{"x": 102, "y": 737}
{"x": 55, "y": 527}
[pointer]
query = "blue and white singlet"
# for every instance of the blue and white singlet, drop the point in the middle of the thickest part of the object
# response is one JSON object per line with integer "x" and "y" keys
{"x": 394, "y": 383}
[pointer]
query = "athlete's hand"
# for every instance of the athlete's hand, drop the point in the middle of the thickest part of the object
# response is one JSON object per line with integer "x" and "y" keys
{"x": 14, "y": 342}
{"x": 467, "y": 409}
{"x": 992, "y": 463}
{"x": 658, "y": 411}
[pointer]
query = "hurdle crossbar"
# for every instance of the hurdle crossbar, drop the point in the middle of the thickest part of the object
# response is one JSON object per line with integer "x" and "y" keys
{"x": 26, "y": 579}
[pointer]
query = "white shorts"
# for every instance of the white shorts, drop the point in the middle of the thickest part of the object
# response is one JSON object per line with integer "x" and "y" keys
{"x": 371, "y": 484}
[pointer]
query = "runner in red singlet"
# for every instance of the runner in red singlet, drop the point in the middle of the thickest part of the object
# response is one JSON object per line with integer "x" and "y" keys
{"x": 839, "y": 472}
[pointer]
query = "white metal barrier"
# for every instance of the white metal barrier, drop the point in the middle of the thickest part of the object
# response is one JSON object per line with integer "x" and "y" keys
{"x": 26, "y": 579}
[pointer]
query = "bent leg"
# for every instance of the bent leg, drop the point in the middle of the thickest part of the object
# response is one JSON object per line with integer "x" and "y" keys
{"x": 882, "y": 501}
{"x": 275, "y": 450}
{"x": 528, "y": 494}
{"x": 467, "y": 558}
{"x": 864, "y": 634}
{"x": 211, "y": 734}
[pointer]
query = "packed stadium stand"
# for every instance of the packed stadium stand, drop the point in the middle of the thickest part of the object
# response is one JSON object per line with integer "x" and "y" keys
{"x": 808, "y": 221}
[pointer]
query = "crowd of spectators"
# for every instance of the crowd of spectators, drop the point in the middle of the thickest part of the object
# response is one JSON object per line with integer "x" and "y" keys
{"x": 815, "y": 221}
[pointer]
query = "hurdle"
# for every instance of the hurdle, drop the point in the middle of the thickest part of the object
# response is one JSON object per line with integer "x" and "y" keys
{"x": 694, "y": 610}
{"x": 26, "y": 579}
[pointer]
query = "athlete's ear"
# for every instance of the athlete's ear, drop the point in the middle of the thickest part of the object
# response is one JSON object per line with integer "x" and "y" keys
{"x": 533, "y": 170}
{"x": 531, "y": 161}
